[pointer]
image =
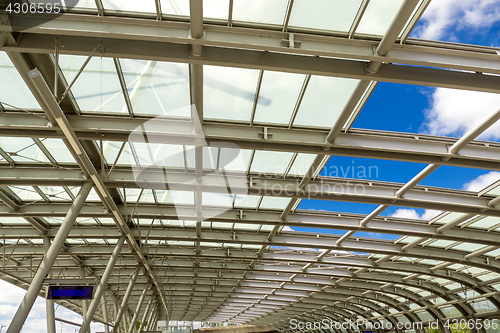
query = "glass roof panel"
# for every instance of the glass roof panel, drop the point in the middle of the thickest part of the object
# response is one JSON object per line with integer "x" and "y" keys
{"x": 13, "y": 90}
{"x": 240, "y": 163}
{"x": 158, "y": 88}
{"x": 25, "y": 193}
{"x": 22, "y": 150}
{"x": 80, "y": 4}
{"x": 262, "y": 11}
{"x": 143, "y": 6}
{"x": 97, "y": 89}
{"x": 277, "y": 97}
{"x": 441, "y": 243}
{"x": 58, "y": 150}
{"x": 274, "y": 203}
{"x": 93, "y": 196}
{"x": 175, "y": 197}
{"x": 301, "y": 164}
{"x": 55, "y": 193}
{"x": 486, "y": 222}
{"x": 229, "y": 93}
{"x": 324, "y": 99}
{"x": 7, "y": 220}
{"x": 336, "y": 15}
{"x": 218, "y": 9}
{"x": 175, "y": 7}
{"x": 246, "y": 201}
{"x": 270, "y": 162}
{"x": 469, "y": 247}
{"x": 217, "y": 199}
{"x": 378, "y": 16}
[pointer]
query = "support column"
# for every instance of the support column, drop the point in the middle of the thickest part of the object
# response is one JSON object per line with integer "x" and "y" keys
{"x": 51, "y": 316}
{"x": 137, "y": 309}
{"x": 150, "y": 319}
{"x": 48, "y": 261}
{"x": 126, "y": 317}
{"x": 153, "y": 322}
{"x": 145, "y": 314}
{"x": 85, "y": 303}
{"x": 102, "y": 286}
{"x": 125, "y": 300}
{"x": 104, "y": 310}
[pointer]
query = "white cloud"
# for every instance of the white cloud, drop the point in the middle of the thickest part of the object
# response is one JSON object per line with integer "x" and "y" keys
{"x": 454, "y": 112}
{"x": 463, "y": 14}
{"x": 482, "y": 181}
{"x": 287, "y": 228}
{"x": 406, "y": 213}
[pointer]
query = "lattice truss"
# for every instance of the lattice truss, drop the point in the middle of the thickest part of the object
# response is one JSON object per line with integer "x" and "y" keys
{"x": 285, "y": 87}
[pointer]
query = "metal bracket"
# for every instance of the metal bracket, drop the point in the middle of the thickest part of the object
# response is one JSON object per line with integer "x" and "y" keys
{"x": 251, "y": 182}
{"x": 241, "y": 215}
{"x": 265, "y": 133}
{"x": 291, "y": 42}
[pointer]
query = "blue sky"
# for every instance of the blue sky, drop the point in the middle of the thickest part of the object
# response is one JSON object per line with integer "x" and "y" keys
{"x": 427, "y": 110}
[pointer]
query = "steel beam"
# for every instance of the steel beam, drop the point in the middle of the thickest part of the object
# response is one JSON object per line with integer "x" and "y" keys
{"x": 127, "y": 30}
{"x": 244, "y": 58}
{"x": 357, "y": 143}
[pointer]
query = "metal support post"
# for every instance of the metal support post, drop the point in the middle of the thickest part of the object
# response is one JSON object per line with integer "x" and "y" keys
{"x": 150, "y": 319}
{"x": 48, "y": 261}
{"x": 102, "y": 286}
{"x": 138, "y": 308}
{"x": 104, "y": 310}
{"x": 123, "y": 306}
{"x": 51, "y": 317}
{"x": 85, "y": 303}
{"x": 141, "y": 326}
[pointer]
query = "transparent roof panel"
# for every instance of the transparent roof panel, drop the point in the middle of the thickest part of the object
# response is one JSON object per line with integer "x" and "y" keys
{"x": 80, "y": 4}
{"x": 274, "y": 203}
{"x": 277, "y": 97}
{"x": 229, "y": 93}
{"x": 336, "y": 15}
{"x": 213, "y": 9}
{"x": 229, "y": 162}
{"x": 25, "y": 193}
{"x": 261, "y": 11}
{"x": 301, "y": 164}
{"x": 97, "y": 89}
{"x": 246, "y": 201}
{"x": 175, "y": 7}
{"x": 324, "y": 100}
{"x": 270, "y": 162}
{"x": 486, "y": 222}
{"x": 23, "y": 150}
{"x": 158, "y": 88}
{"x": 217, "y": 199}
{"x": 13, "y": 90}
{"x": 55, "y": 193}
{"x": 378, "y": 16}
{"x": 58, "y": 150}
{"x": 143, "y": 6}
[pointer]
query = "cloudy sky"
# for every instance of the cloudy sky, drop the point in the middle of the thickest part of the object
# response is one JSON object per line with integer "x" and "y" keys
{"x": 10, "y": 298}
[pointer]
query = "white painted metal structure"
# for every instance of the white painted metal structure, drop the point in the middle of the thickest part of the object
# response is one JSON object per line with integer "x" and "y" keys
{"x": 283, "y": 86}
